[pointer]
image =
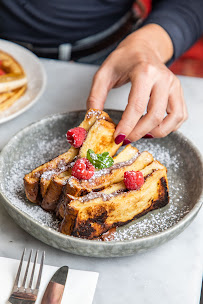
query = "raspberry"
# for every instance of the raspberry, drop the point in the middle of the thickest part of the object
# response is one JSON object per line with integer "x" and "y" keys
{"x": 76, "y": 136}
{"x": 83, "y": 169}
{"x": 133, "y": 180}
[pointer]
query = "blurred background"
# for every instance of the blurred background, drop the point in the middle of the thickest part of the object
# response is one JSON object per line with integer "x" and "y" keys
{"x": 190, "y": 63}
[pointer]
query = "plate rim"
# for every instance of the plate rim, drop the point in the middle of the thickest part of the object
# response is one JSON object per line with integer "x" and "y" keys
{"x": 41, "y": 91}
{"x": 186, "y": 219}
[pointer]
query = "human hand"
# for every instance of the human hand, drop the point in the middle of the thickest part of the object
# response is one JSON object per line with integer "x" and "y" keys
{"x": 140, "y": 59}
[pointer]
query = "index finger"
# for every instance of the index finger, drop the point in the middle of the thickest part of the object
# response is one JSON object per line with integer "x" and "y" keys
{"x": 137, "y": 102}
{"x": 101, "y": 85}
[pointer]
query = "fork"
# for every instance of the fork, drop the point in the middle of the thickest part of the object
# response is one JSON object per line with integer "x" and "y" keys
{"x": 23, "y": 294}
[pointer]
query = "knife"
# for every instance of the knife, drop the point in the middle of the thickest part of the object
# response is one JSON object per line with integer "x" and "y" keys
{"x": 54, "y": 291}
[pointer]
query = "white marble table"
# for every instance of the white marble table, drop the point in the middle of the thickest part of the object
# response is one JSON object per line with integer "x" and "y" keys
{"x": 169, "y": 274}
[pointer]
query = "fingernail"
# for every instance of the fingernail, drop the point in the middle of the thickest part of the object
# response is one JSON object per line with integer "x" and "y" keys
{"x": 119, "y": 138}
{"x": 148, "y": 135}
{"x": 126, "y": 142}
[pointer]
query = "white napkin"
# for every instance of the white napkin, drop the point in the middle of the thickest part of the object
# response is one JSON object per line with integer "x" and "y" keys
{"x": 80, "y": 285}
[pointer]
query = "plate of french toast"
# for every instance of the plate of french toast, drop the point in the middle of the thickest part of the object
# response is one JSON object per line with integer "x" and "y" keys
{"x": 66, "y": 182}
{"x": 22, "y": 80}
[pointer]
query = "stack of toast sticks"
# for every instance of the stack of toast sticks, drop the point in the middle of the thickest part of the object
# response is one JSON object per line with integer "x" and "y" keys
{"x": 89, "y": 208}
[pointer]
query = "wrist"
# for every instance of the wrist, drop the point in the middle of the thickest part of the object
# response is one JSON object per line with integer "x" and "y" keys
{"x": 157, "y": 39}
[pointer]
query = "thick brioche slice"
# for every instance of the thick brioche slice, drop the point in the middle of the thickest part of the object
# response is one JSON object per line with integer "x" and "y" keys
{"x": 58, "y": 183}
{"x": 100, "y": 139}
{"x": 106, "y": 177}
{"x": 115, "y": 188}
{"x": 65, "y": 165}
{"x": 65, "y": 200}
{"x": 31, "y": 180}
{"x": 89, "y": 219}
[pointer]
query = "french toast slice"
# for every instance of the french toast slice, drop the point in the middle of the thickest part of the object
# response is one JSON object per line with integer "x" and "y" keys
{"x": 61, "y": 207}
{"x": 100, "y": 139}
{"x": 59, "y": 182}
{"x": 115, "y": 188}
{"x": 106, "y": 177}
{"x": 50, "y": 200}
{"x": 32, "y": 179}
{"x": 92, "y": 217}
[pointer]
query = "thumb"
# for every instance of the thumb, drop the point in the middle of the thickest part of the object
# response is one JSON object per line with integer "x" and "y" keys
{"x": 99, "y": 90}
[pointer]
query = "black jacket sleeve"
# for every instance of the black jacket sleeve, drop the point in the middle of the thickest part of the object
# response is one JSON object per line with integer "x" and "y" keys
{"x": 181, "y": 19}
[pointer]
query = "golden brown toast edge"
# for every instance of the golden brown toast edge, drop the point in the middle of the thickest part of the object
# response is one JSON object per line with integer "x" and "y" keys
{"x": 89, "y": 220}
{"x": 100, "y": 139}
{"x": 31, "y": 180}
{"x": 61, "y": 208}
{"x": 54, "y": 191}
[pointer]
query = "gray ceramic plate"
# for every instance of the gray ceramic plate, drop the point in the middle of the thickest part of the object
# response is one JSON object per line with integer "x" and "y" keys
{"x": 45, "y": 139}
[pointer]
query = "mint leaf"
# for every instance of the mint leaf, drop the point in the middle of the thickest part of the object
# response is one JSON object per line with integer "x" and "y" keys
{"x": 104, "y": 154}
{"x": 100, "y": 161}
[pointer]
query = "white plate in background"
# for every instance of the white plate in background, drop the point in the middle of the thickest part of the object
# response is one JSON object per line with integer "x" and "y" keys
{"x": 36, "y": 77}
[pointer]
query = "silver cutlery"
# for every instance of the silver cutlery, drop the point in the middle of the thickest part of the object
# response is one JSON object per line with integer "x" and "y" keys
{"x": 22, "y": 294}
{"x": 54, "y": 291}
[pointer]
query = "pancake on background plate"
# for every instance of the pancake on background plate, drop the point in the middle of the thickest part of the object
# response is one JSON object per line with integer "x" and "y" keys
{"x": 13, "y": 81}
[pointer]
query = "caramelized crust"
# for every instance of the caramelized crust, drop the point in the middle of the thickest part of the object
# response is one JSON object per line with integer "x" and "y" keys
{"x": 92, "y": 218}
{"x": 31, "y": 180}
{"x": 65, "y": 200}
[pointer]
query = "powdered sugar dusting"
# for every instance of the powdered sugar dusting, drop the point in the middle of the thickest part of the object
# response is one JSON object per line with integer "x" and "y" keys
{"x": 14, "y": 188}
{"x": 164, "y": 218}
{"x": 46, "y": 149}
{"x": 61, "y": 167}
{"x": 93, "y": 112}
{"x": 105, "y": 171}
{"x": 161, "y": 153}
{"x": 48, "y": 174}
{"x": 93, "y": 195}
